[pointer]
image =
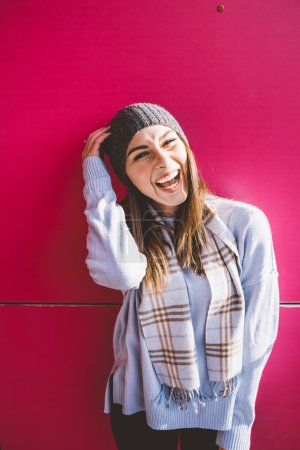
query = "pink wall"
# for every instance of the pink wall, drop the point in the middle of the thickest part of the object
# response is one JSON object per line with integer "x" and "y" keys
{"x": 54, "y": 366}
{"x": 232, "y": 81}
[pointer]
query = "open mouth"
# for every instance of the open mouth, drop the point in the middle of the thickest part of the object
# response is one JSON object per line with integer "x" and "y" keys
{"x": 170, "y": 184}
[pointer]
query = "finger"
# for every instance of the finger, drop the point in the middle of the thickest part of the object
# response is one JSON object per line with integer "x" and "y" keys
{"x": 94, "y": 141}
{"x": 97, "y": 140}
{"x": 96, "y": 134}
{"x": 100, "y": 130}
{"x": 101, "y": 137}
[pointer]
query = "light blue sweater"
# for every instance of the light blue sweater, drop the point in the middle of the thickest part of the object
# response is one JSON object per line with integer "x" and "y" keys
{"x": 136, "y": 385}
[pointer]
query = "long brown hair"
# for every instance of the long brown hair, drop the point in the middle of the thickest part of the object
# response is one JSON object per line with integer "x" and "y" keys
{"x": 188, "y": 234}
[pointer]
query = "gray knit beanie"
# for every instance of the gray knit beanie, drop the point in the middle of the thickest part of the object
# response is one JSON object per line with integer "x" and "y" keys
{"x": 125, "y": 124}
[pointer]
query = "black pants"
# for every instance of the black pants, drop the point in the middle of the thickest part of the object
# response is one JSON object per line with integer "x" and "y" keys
{"x": 131, "y": 432}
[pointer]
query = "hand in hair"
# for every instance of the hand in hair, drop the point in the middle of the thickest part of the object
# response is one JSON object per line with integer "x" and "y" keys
{"x": 94, "y": 141}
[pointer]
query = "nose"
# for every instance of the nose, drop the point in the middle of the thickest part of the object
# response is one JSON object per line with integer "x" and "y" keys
{"x": 161, "y": 160}
{"x": 160, "y": 166}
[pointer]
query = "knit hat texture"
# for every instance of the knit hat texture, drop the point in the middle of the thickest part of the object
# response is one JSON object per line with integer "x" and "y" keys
{"x": 125, "y": 124}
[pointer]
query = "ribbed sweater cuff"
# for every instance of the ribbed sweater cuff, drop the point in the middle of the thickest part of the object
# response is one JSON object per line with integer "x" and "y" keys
{"x": 95, "y": 174}
{"x": 237, "y": 438}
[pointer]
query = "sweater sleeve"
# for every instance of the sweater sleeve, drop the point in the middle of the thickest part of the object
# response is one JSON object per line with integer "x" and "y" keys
{"x": 261, "y": 291}
{"x": 113, "y": 259}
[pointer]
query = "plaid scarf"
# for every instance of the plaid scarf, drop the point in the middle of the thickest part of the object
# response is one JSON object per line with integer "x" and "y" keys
{"x": 167, "y": 323}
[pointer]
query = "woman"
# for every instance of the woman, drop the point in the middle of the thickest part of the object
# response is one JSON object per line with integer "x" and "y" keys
{"x": 200, "y": 290}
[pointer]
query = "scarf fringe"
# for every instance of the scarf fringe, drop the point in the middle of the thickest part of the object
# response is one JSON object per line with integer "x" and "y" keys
{"x": 181, "y": 398}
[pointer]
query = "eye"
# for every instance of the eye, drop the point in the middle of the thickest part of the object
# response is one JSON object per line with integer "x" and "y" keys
{"x": 170, "y": 140}
{"x": 139, "y": 155}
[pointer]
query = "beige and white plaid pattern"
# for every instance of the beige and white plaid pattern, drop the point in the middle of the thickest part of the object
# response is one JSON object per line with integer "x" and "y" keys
{"x": 166, "y": 319}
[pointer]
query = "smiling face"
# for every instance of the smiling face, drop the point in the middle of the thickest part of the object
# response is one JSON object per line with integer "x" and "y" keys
{"x": 154, "y": 154}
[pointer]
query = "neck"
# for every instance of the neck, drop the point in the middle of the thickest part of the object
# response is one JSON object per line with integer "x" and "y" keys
{"x": 166, "y": 211}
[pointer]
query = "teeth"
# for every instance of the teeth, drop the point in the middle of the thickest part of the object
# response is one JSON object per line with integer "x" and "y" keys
{"x": 168, "y": 178}
{"x": 171, "y": 186}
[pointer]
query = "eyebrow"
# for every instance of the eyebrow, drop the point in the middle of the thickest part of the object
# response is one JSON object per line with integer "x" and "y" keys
{"x": 139, "y": 147}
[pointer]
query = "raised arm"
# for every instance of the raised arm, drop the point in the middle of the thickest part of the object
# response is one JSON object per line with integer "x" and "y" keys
{"x": 113, "y": 259}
